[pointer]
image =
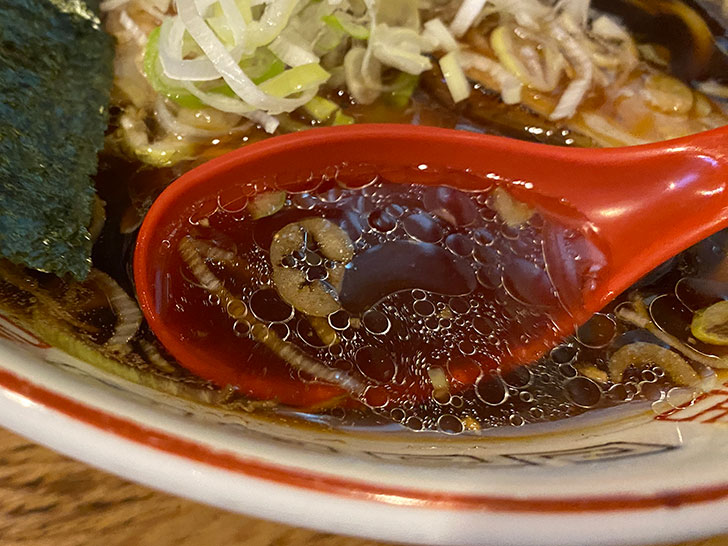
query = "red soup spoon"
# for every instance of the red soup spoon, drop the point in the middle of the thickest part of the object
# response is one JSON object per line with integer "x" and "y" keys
{"x": 604, "y": 218}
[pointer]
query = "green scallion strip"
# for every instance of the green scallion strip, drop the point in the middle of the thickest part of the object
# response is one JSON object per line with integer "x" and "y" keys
{"x": 343, "y": 24}
{"x": 159, "y": 82}
{"x": 295, "y": 80}
{"x": 262, "y": 66}
{"x": 320, "y": 108}
{"x": 343, "y": 119}
{"x": 403, "y": 88}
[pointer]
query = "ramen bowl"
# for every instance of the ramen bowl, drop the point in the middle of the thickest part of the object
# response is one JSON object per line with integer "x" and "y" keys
{"x": 621, "y": 462}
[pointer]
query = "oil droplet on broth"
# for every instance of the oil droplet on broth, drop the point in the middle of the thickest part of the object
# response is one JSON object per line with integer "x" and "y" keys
{"x": 435, "y": 280}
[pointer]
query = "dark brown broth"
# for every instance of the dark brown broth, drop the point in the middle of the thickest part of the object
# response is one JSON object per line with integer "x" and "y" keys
{"x": 438, "y": 283}
{"x": 553, "y": 388}
{"x": 455, "y": 313}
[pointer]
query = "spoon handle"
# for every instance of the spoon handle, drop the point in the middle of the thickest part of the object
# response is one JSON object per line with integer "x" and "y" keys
{"x": 657, "y": 200}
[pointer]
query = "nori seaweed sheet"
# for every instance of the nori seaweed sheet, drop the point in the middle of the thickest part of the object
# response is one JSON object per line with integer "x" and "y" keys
{"x": 55, "y": 78}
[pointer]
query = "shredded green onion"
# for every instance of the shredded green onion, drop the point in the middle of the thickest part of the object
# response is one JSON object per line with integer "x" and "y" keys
{"x": 262, "y": 66}
{"x": 454, "y": 76}
{"x": 343, "y": 119}
{"x": 320, "y": 109}
{"x": 345, "y": 24}
{"x": 295, "y": 80}
{"x": 404, "y": 86}
{"x": 264, "y": 58}
{"x": 159, "y": 82}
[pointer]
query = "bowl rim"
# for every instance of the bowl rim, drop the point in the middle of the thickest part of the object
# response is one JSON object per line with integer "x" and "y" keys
{"x": 312, "y": 500}
{"x": 127, "y": 429}
{"x": 157, "y": 457}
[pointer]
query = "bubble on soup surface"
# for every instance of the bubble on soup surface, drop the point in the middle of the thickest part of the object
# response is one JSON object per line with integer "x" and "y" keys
{"x": 528, "y": 283}
{"x": 459, "y": 244}
{"x": 459, "y": 306}
{"x": 491, "y": 390}
{"x": 450, "y": 424}
{"x": 266, "y": 305}
{"x": 376, "y": 322}
{"x": 339, "y": 320}
{"x": 451, "y": 205}
{"x": 597, "y": 332}
{"x": 583, "y": 392}
{"x": 422, "y": 227}
{"x": 564, "y": 354}
{"x": 424, "y": 308}
{"x": 382, "y": 221}
{"x": 516, "y": 420}
{"x": 375, "y": 397}
{"x": 375, "y": 364}
{"x": 518, "y": 377}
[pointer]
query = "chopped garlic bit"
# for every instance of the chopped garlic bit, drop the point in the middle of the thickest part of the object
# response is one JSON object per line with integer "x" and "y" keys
{"x": 512, "y": 212}
{"x": 469, "y": 423}
{"x": 592, "y": 372}
{"x": 438, "y": 379}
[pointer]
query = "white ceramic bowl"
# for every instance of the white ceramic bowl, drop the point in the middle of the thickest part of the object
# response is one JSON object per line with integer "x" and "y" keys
{"x": 617, "y": 476}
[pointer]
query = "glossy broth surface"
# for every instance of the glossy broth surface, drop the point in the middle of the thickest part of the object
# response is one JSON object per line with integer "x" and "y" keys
{"x": 407, "y": 300}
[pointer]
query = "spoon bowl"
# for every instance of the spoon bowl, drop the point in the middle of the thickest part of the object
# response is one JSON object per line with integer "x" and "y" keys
{"x": 633, "y": 207}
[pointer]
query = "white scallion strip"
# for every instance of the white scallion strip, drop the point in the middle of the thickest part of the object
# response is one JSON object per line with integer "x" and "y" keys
{"x": 285, "y": 350}
{"x": 110, "y": 5}
{"x": 160, "y": 5}
{"x": 234, "y": 106}
{"x": 510, "y": 86}
{"x": 524, "y": 64}
{"x": 236, "y": 21}
{"x": 291, "y": 53}
{"x": 607, "y": 28}
{"x": 172, "y": 125}
{"x": 271, "y": 24}
{"x": 466, "y": 15}
{"x": 604, "y": 128}
{"x": 345, "y": 22}
{"x": 528, "y": 13}
{"x": 440, "y": 34}
{"x": 714, "y": 89}
{"x": 155, "y": 358}
{"x": 532, "y": 63}
{"x": 578, "y": 10}
{"x": 455, "y": 78}
{"x": 571, "y": 98}
{"x": 132, "y": 28}
{"x": 227, "y": 66}
{"x": 582, "y": 65}
{"x": 266, "y": 121}
{"x": 355, "y": 76}
{"x": 127, "y": 312}
{"x": 400, "y": 48}
{"x": 171, "y": 36}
